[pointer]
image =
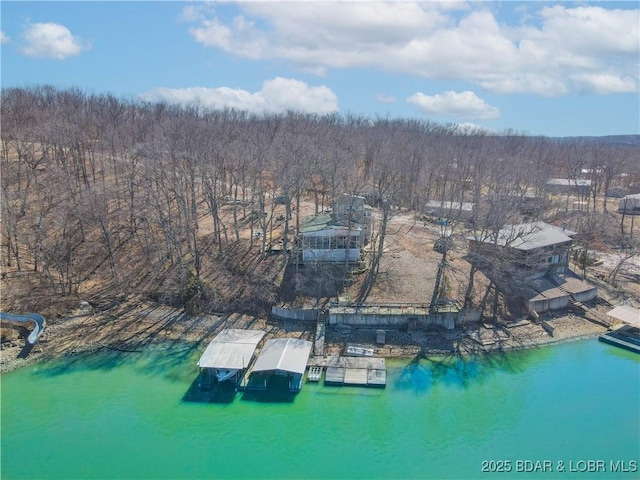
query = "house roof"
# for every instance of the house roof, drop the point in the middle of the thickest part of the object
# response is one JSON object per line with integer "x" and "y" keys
{"x": 449, "y": 205}
{"x": 325, "y": 221}
{"x": 284, "y": 354}
{"x": 529, "y": 236}
{"x": 313, "y": 224}
{"x": 231, "y": 348}
{"x": 632, "y": 196}
{"x": 545, "y": 289}
{"x": 569, "y": 182}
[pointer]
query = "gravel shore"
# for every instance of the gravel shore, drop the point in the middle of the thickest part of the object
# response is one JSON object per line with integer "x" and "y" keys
{"x": 132, "y": 327}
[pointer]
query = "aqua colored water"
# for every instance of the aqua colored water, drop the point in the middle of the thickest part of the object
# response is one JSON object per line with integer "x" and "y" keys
{"x": 130, "y": 417}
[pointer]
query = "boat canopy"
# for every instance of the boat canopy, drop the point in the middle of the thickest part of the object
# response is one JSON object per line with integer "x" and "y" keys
{"x": 284, "y": 355}
{"x": 231, "y": 349}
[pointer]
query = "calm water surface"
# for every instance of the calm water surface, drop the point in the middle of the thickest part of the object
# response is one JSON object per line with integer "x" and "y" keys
{"x": 113, "y": 416}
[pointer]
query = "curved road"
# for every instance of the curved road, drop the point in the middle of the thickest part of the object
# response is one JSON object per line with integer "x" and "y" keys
{"x": 34, "y": 318}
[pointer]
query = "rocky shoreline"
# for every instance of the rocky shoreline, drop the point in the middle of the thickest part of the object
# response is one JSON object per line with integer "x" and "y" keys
{"x": 131, "y": 328}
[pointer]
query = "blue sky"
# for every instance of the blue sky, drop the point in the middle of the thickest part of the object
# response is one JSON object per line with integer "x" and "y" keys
{"x": 544, "y": 68}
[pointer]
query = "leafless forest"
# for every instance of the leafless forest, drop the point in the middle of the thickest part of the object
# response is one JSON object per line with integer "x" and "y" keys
{"x": 105, "y": 198}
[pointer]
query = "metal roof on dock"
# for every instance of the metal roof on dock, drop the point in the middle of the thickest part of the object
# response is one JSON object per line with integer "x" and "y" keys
{"x": 231, "y": 348}
{"x": 627, "y": 314}
{"x": 284, "y": 354}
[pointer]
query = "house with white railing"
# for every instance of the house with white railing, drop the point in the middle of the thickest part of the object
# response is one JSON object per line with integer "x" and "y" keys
{"x": 337, "y": 236}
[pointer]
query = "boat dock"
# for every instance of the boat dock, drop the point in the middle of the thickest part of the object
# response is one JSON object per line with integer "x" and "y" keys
{"x": 627, "y": 337}
{"x": 355, "y": 371}
{"x": 228, "y": 356}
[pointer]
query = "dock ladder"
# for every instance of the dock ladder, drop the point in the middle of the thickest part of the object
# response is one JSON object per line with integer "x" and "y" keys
{"x": 315, "y": 372}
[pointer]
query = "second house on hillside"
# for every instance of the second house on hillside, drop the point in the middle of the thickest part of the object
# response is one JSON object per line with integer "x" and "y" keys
{"x": 530, "y": 261}
{"x": 535, "y": 249}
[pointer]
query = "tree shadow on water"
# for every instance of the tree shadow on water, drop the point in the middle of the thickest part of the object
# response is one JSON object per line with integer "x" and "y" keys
{"x": 277, "y": 391}
{"x": 423, "y": 373}
{"x": 269, "y": 396}
{"x": 75, "y": 362}
{"x": 173, "y": 361}
{"x": 220, "y": 393}
{"x": 415, "y": 376}
{"x": 149, "y": 349}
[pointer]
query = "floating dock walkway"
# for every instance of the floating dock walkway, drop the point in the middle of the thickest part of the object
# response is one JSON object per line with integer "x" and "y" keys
{"x": 627, "y": 337}
{"x": 355, "y": 371}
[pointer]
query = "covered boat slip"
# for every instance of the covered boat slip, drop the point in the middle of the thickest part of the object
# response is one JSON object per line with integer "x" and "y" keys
{"x": 228, "y": 355}
{"x": 626, "y": 332}
{"x": 282, "y": 360}
{"x": 627, "y": 337}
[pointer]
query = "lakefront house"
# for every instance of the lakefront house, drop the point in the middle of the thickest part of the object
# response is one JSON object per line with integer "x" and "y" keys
{"x": 535, "y": 249}
{"x": 337, "y": 236}
{"x": 536, "y": 255}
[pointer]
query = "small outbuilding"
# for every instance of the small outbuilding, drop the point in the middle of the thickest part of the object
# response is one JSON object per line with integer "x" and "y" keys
{"x": 630, "y": 204}
{"x": 282, "y": 361}
{"x": 545, "y": 294}
{"x": 617, "y": 192}
{"x": 578, "y": 186}
{"x": 449, "y": 209}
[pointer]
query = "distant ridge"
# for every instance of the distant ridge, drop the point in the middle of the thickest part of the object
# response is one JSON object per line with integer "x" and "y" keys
{"x": 626, "y": 140}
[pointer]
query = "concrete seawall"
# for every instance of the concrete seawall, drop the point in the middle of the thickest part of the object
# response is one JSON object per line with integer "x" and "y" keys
{"x": 392, "y": 316}
{"x": 413, "y": 317}
{"x": 301, "y": 314}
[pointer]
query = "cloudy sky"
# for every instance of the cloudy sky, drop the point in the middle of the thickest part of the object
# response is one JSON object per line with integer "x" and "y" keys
{"x": 549, "y": 68}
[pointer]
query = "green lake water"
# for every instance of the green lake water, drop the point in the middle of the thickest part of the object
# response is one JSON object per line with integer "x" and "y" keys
{"x": 133, "y": 416}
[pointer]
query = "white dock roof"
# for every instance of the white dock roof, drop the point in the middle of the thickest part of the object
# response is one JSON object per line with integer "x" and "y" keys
{"x": 627, "y": 314}
{"x": 231, "y": 348}
{"x": 285, "y": 354}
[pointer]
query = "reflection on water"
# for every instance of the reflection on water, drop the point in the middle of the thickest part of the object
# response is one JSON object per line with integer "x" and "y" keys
{"x": 422, "y": 373}
{"x": 141, "y": 415}
{"x": 174, "y": 360}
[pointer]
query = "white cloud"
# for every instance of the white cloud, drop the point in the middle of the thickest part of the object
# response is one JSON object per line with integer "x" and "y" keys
{"x": 383, "y": 98}
{"x": 546, "y": 51}
{"x": 4, "y": 38}
{"x": 242, "y": 37}
{"x": 464, "y": 105}
{"x": 50, "y": 40}
{"x": 604, "y": 83}
{"x": 277, "y": 95}
{"x": 591, "y": 29}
